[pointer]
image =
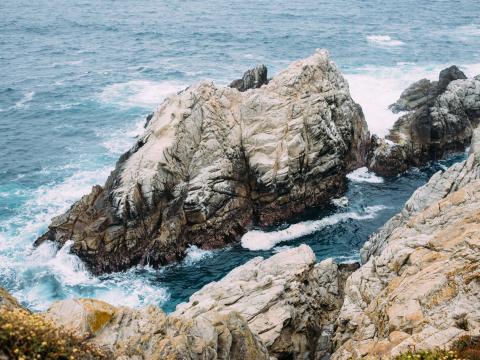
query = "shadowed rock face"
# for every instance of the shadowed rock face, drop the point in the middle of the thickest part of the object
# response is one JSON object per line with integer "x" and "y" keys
{"x": 441, "y": 119}
{"x": 252, "y": 79}
{"x": 213, "y": 161}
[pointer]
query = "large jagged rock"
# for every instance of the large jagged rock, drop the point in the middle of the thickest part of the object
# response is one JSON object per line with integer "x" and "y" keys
{"x": 213, "y": 161}
{"x": 420, "y": 284}
{"x": 150, "y": 334}
{"x": 441, "y": 120}
{"x": 252, "y": 79}
{"x": 424, "y": 91}
{"x": 288, "y": 300}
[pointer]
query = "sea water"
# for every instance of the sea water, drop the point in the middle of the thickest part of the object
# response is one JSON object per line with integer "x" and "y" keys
{"x": 77, "y": 79}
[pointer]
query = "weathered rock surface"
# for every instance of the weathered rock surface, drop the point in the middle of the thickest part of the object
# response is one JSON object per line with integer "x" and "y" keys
{"x": 441, "y": 120}
{"x": 149, "y": 334}
{"x": 7, "y": 300}
{"x": 286, "y": 304}
{"x": 420, "y": 285}
{"x": 288, "y": 300}
{"x": 424, "y": 91}
{"x": 252, "y": 79}
{"x": 214, "y": 161}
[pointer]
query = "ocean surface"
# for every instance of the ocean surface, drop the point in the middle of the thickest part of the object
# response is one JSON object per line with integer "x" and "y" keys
{"x": 77, "y": 79}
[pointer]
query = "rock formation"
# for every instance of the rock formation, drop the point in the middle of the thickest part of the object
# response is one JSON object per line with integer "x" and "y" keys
{"x": 286, "y": 304}
{"x": 288, "y": 300}
{"x": 213, "y": 161}
{"x": 252, "y": 79}
{"x": 149, "y": 334}
{"x": 420, "y": 284}
{"x": 441, "y": 118}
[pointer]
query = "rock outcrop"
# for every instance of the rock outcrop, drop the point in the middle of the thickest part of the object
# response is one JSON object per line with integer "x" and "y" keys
{"x": 286, "y": 304}
{"x": 213, "y": 161}
{"x": 420, "y": 284}
{"x": 288, "y": 300}
{"x": 251, "y": 79}
{"x": 441, "y": 119}
{"x": 149, "y": 334}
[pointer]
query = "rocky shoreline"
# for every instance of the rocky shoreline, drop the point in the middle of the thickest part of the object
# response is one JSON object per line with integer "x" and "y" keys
{"x": 418, "y": 288}
{"x": 214, "y": 161}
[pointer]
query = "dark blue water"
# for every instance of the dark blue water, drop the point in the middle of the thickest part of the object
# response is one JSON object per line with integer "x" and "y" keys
{"x": 78, "y": 77}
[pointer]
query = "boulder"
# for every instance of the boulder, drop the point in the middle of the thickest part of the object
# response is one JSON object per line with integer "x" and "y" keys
{"x": 251, "y": 79}
{"x": 215, "y": 161}
{"x": 441, "y": 119}
{"x": 288, "y": 300}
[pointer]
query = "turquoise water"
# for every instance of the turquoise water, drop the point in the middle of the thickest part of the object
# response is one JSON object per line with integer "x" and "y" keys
{"x": 77, "y": 79}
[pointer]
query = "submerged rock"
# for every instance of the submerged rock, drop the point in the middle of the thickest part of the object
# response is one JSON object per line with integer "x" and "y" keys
{"x": 442, "y": 117}
{"x": 213, "y": 161}
{"x": 420, "y": 284}
{"x": 252, "y": 79}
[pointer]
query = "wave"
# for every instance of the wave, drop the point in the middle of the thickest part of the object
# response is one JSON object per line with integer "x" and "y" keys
{"x": 139, "y": 93}
{"x": 363, "y": 175}
{"x": 265, "y": 240}
{"x": 195, "y": 254}
{"x": 384, "y": 41}
{"x": 50, "y": 274}
{"x": 23, "y": 102}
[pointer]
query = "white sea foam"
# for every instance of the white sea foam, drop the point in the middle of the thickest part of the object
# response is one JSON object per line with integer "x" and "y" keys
{"x": 340, "y": 202}
{"x": 384, "y": 41}
{"x": 363, "y": 175}
{"x": 278, "y": 249}
{"x": 139, "y": 93}
{"x": 265, "y": 240}
{"x": 195, "y": 254}
{"x": 121, "y": 140}
{"x": 23, "y": 102}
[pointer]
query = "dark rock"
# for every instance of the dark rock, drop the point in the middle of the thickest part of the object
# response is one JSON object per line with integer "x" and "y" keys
{"x": 252, "y": 79}
{"x": 447, "y": 76}
{"x": 441, "y": 120}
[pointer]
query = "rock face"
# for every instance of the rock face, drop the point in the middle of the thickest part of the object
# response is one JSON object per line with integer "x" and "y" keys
{"x": 7, "y": 300}
{"x": 213, "y": 161}
{"x": 252, "y": 79}
{"x": 441, "y": 119}
{"x": 420, "y": 284}
{"x": 149, "y": 334}
{"x": 283, "y": 307}
{"x": 288, "y": 300}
